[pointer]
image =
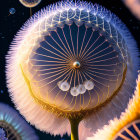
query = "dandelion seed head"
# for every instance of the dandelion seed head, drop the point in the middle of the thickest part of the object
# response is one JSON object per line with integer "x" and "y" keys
{"x": 30, "y": 3}
{"x": 11, "y": 128}
{"x": 70, "y": 44}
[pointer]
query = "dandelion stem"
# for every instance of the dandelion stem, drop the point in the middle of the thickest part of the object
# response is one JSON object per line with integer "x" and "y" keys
{"x": 30, "y": 12}
{"x": 74, "y": 128}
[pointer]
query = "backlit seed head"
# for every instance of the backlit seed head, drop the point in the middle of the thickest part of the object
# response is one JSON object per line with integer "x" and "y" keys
{"x": 77, "y": 53}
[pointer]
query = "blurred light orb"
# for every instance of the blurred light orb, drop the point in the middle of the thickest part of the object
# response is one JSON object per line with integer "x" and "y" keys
{"x": 72, "y": 59}
{"x": 30, "y": 3}
{"x": 12, "y": 11}
{"x": 13, "y": 127}
{"x": 134, "y": 7}
{"x": 1, "y": 91}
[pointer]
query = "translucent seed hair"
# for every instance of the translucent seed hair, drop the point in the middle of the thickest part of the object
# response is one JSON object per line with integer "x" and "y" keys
{"x": 72, "y": 61}
{"x": 13, "y": 127}
{"x": 127, "y": 126}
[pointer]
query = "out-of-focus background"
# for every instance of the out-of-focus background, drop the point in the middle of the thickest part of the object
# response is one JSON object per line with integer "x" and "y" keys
{"x": 11, "y": 23}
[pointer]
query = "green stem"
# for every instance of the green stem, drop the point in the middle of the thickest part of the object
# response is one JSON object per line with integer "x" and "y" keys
{"x": 74, "y": 129}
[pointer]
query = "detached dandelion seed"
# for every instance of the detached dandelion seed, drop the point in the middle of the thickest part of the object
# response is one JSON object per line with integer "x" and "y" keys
{"x": 12, "y": 11}
{"x": 64, "y": 52}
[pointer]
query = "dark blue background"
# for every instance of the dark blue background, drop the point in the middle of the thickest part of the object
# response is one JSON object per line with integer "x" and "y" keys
{"x": 9, "y": 25}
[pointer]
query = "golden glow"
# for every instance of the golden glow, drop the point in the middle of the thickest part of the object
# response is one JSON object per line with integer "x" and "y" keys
{"x": 66, "y": 113}
{"x": 131, "y": 114}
